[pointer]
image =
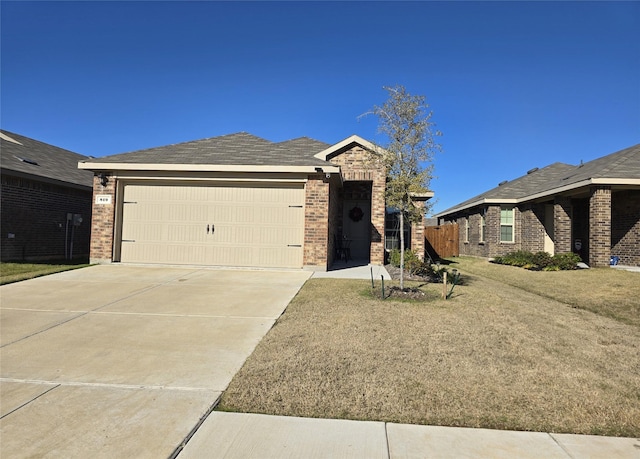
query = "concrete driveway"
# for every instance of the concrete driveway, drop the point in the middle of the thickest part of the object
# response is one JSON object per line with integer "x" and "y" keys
{"x": 123, "y": 361}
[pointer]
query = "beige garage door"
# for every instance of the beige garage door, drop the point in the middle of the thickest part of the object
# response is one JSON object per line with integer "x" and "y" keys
{"x": 228, "y": 224}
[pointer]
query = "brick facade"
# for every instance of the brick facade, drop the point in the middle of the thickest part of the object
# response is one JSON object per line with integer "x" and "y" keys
{"x": 417, "y": 234}
{"x": 316, "y": 222}
{"x": 562, "y": 224}
{"x": 34, "y": 214}
{"x": 625, "y": 229}
{"x": 600, "y": 226}
{"x": 102, "y": 222}
{"x": 532, "y": 230}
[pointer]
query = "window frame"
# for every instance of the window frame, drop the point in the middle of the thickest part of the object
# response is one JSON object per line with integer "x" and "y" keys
{"x": 483, "y": 225}
{"x": 511, "y": 225}
{"x": 466, "y": 229}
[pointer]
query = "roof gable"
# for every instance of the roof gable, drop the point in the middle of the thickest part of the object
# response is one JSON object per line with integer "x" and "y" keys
{"x": 24, "y": 155}
{"x": 344, "y": 145}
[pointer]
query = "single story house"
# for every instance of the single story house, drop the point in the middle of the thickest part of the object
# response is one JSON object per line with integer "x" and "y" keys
{"x": 592, "y": 209}
{"x": 46, "y": 201}
{"x": 241, "y": 200}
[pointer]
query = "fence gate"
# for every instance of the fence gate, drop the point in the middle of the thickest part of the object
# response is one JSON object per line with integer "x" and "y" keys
{"x": 442, "y": 241}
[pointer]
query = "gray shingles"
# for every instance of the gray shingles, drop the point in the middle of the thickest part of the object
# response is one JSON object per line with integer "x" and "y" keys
{"x": 53, "y": 163}
{"x": 234, "y": 149}
{"x": 624, "y": 164}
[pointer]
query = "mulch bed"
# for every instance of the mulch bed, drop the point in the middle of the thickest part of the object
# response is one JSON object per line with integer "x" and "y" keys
{"x": 413, "y": 293}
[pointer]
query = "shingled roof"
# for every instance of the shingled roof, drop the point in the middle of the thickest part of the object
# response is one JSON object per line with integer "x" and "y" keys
{"x": 25, "y": 156}
{"x": 616, "y": 168}
{"x": 234, "y": 149}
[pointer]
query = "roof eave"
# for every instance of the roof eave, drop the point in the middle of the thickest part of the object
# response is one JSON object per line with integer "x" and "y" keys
{"x": 97, "y": 166}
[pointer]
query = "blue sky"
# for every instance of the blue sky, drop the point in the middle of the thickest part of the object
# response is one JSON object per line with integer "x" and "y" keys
{"x": 513, "y": 85}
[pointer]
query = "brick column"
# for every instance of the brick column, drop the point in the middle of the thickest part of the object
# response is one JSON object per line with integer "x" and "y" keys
{"x": 102, "y": 218}
{"x": 316, "y": 223}
{"x": 600, "y": 226}
{"x": 562, "y": 224}
{"x": 417, "y": 233}
{"x": 377, "y": 217}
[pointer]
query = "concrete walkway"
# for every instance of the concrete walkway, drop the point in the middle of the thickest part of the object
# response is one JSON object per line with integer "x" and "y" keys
{"x": 353, "y": 270}
{"x": 243, "y": 436}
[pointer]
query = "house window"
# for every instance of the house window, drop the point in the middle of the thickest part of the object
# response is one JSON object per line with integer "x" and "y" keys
{"x": 483, "y": 223}
{"x": 392, "y": 231}
{"x": 466, "y": 229}
{"x": 506, "y": 224}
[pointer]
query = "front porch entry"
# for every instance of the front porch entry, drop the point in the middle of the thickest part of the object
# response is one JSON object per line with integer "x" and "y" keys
{"x": 355, "y": 228}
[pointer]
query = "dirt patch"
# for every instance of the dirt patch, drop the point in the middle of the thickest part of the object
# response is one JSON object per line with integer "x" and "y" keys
{"x": 408, "y": 293}
{"x": 394, "y": 272}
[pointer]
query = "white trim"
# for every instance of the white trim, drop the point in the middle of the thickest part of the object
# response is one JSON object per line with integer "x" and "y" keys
{"x": 209, "y": 179}
{"x": 204, "y": 167}
{"x": 4, "y": 136}
{"x": 346, "y": 142}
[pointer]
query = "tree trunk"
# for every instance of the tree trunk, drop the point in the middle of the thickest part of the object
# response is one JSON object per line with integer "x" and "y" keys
{"x": 401, "y": 250}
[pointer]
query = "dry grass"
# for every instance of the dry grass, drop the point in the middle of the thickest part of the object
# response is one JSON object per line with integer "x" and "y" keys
{"x": 493, "y": 356}
{"x": 605, "y": 291}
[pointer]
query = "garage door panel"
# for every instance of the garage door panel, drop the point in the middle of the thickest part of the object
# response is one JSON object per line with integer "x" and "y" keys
{"x": 255, "y": 225}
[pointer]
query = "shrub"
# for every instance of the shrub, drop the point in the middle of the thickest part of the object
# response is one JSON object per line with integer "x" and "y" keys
{"x": 410, "y": 258}
{"x": 412, "y": 263}
{"x": 566, "y": 261}
{"x": 539, "y": 260}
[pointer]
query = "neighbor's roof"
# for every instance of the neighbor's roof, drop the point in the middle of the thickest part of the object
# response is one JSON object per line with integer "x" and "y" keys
{"x": 240, "y": 149}
{"x": 620, "y": 168}
{"x": 25, "y": 156}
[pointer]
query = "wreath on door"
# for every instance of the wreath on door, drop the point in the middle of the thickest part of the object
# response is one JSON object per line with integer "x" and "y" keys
{"x": 356, "y": 214}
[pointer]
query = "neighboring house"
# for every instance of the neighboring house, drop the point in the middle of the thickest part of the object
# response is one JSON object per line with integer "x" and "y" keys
{"x": 592, "y": 209}
{"x": 46, "y": 201}
{"x": 240, "y": 200}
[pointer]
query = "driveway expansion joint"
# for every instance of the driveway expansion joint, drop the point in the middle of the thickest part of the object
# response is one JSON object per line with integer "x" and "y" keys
{"x": 29, "y": 401}
{"x": 111, "y": 385}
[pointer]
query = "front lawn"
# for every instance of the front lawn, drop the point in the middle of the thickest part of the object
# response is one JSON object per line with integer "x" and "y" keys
{"x": 605, "y": 291}
{"x": 14, "y": 272}
{"x": 493, "y": 356}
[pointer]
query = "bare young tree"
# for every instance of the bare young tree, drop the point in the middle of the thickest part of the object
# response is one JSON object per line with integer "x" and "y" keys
{"x": 408, "y": 154}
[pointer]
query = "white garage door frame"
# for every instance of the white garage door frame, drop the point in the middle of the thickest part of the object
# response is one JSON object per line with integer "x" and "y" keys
{"x": 273, "y": 181}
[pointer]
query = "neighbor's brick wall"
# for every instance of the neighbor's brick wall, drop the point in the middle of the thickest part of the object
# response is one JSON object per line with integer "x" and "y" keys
{"x": 600, "y": 226}
{"x": 473, "y": 246}
{"x": 492, "y": 247}
{"x": 102, "y": 223}
{"x": 562, "y": 216}
{"x": 36, "y": 213}
{"x": 532, "y": 227}
{"x": 625, "y": 230}
{"x": 316, "y": 222}
{"x": 358, "y": 164}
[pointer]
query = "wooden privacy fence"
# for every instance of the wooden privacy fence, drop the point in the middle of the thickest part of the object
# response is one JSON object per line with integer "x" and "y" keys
{"x": 442, "y": 241}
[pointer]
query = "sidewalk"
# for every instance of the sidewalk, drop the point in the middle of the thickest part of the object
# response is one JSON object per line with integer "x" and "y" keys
{"x": 242, "y": 436}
